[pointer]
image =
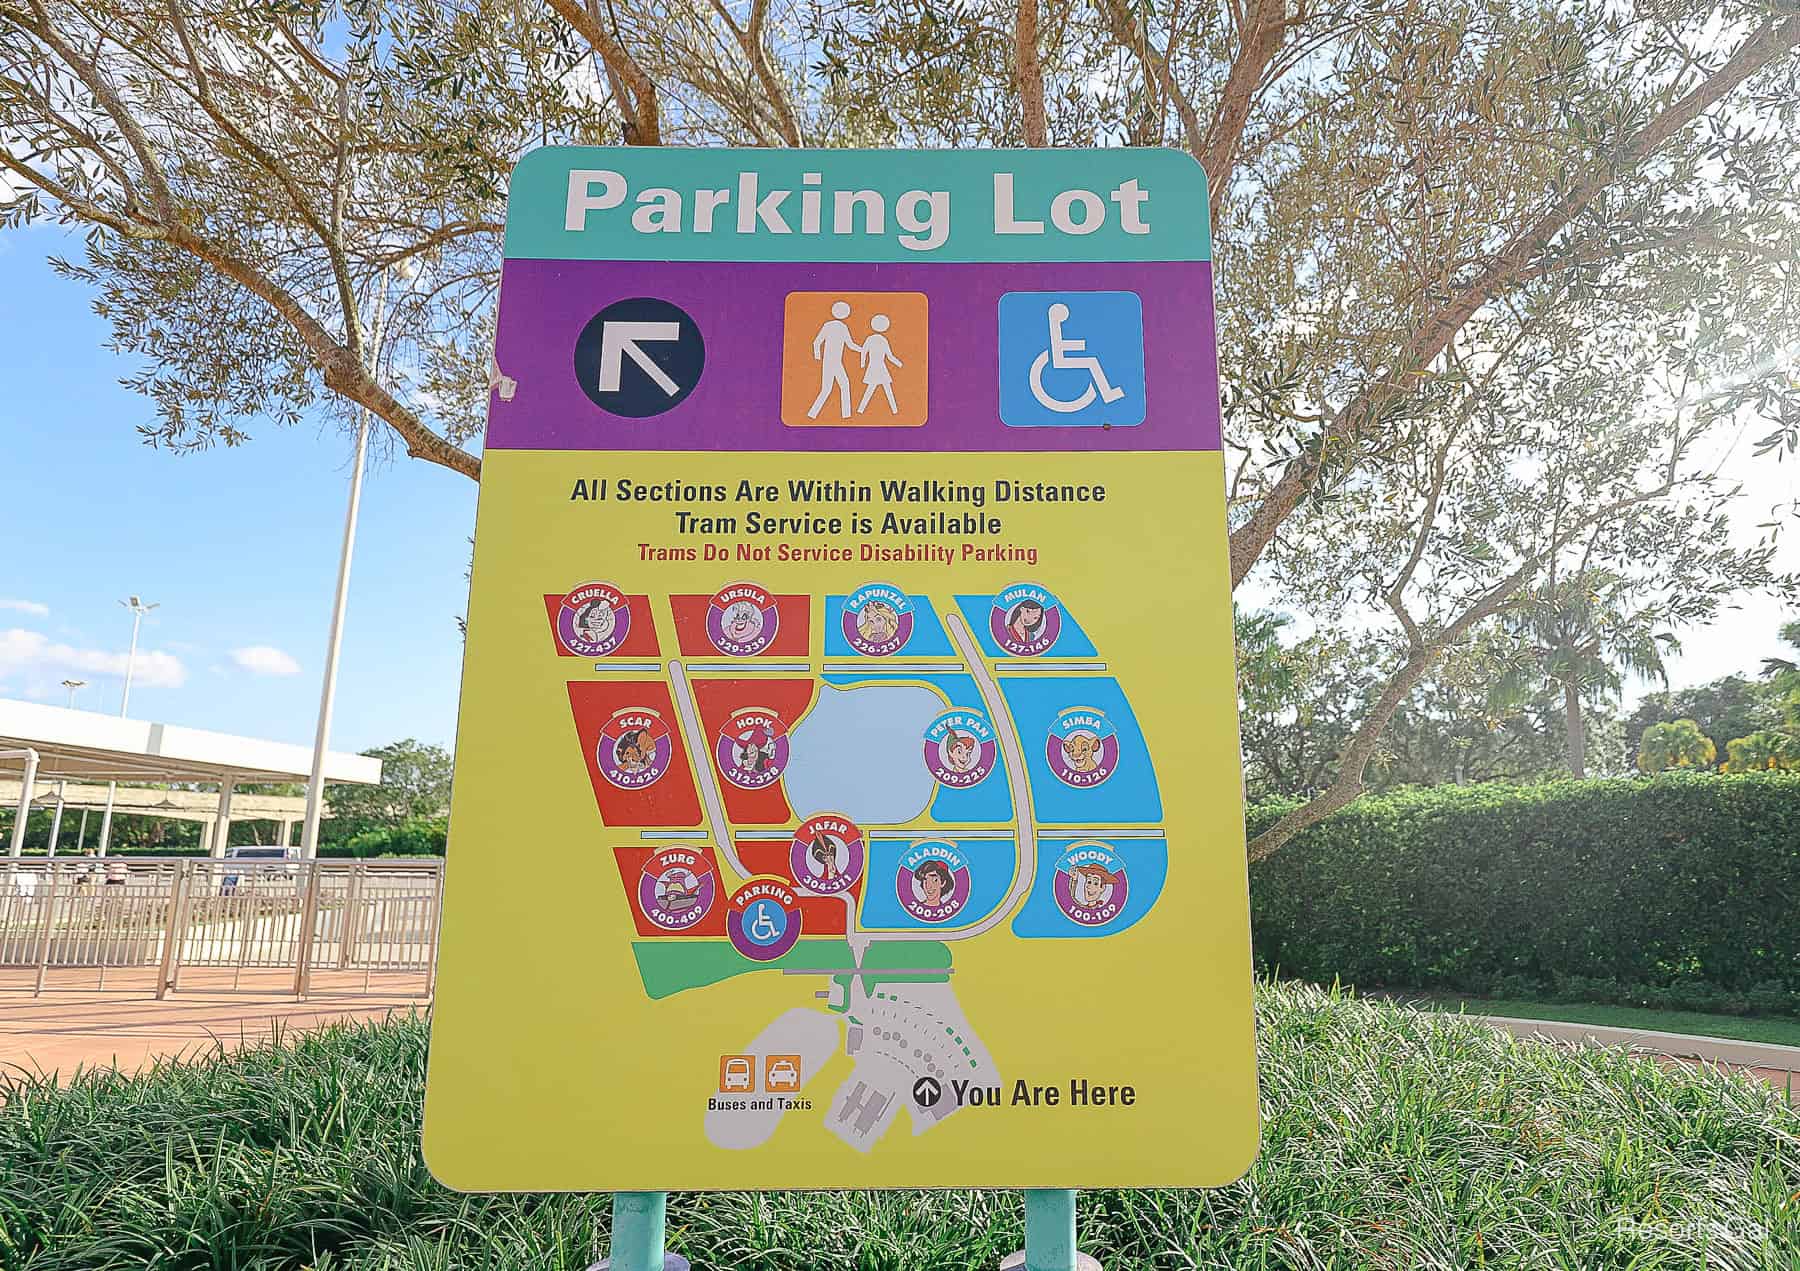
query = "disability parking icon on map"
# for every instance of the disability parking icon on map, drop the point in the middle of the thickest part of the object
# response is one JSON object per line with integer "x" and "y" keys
{"x": 848, "y": 789}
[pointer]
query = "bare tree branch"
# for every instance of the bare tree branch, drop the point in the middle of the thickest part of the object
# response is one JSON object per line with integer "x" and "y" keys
{"x": 344, "y": 373}
{"x": 753, "y": 40}
{"x": 86, "y": 209}
{"x": 1262, "y": 27}
{"x": 114, "y": 106}
{"x": 1261, "y": 31}
{"x": 638, "y": 98}
{"x": 1130, "y": 33}
{"x": 1028, "y": 74}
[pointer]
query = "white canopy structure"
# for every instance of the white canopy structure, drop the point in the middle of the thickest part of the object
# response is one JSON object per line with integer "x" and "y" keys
{"x": 40, "y": 745}
{"x": 286, "y": 810}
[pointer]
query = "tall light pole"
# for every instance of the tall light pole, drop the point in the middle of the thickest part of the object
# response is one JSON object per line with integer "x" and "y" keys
{"x": 62, "y": 787}
{"x": 315, "y": 785}
{"x": 138, "y": 610}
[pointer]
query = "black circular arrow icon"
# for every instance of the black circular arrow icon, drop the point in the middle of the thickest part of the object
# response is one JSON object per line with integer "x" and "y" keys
{"x": 927, "y": 1091}
{"x": 639, "y": 357}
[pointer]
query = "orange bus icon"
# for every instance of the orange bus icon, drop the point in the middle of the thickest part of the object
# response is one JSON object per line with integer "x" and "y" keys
{"x": 737, "y": 1072}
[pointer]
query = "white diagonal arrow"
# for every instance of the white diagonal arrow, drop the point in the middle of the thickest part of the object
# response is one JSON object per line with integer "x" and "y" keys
{"x": 619, "y": 338}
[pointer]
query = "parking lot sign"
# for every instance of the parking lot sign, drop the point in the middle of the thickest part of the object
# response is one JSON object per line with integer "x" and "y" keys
{"x": 847, "y": 773}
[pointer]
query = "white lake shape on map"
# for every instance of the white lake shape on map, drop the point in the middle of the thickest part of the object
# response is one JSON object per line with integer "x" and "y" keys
{"x": 860, "y": 752}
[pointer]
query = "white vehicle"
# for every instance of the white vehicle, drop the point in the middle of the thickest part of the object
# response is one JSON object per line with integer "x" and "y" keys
{"x": 783, "y": 1075}
{"x": 254, "y": 852}
{"x": 737, "y": 1074}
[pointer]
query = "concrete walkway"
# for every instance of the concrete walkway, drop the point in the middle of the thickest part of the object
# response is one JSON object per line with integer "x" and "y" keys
{"x": 67, "y": 1029}
{"x": 1778, "y": 1065}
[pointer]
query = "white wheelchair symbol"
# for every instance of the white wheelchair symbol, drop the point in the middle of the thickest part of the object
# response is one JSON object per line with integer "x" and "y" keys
{"x": 763, "y": 927}
{"x": 1058, "y": 355}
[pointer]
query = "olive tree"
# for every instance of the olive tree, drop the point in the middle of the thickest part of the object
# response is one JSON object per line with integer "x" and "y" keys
{"x": 1492, "y": 273}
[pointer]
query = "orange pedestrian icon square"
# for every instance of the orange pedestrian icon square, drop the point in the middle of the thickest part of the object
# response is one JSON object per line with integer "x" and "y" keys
{"x": 737, "y": 1073}
{"x": 855, "y": 359}
{"x": 781, "y": 1073}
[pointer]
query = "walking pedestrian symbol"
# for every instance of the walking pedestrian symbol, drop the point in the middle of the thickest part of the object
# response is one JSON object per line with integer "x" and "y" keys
{"x": 855, "y": 359}
{"x": 1071, "y": 359}
{"x": 639, "y": 357}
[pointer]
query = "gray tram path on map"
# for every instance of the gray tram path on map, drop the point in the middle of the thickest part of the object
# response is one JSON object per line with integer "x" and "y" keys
{"x": 810, "y": 1034}
{"x": 908, "y": 1032}
{"x": 858, "y": 750}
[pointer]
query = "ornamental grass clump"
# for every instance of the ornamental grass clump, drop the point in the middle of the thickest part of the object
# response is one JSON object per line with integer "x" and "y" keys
{"x": 1392, "y": 1138}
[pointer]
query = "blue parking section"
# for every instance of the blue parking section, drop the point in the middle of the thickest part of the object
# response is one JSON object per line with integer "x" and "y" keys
{"x": 981, "y": 869}
{"x": 1073, "y": 642}
{"x": 990, "y": 802}
{"x": 928, "y": 639}
{"x": 1123, "y": 879}
{"x": 1128, "y": 793}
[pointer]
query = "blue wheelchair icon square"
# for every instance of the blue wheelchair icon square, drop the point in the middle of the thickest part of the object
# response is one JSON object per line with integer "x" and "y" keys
{"x": 1071, "y": 359}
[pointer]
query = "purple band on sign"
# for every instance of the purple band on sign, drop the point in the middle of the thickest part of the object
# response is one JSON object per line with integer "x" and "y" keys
{"x": 739, "y": 308}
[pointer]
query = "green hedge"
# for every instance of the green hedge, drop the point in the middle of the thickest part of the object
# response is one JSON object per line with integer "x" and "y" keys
{"x": 414, "y": 838}
{"x": 66, "y": 853}
{"x": 1681, "y": 891}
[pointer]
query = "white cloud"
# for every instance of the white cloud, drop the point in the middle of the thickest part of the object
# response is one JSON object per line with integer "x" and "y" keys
{"x": 34, "y": 656}
{"x": 31, "y": 607}
{"x": 265, "y": 659}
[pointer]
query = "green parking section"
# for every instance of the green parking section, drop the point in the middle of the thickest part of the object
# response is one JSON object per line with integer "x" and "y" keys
{"x": 670, "y": 966}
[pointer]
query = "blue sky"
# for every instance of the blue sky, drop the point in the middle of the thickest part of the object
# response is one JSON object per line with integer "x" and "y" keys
{"x": 239, "y": 546}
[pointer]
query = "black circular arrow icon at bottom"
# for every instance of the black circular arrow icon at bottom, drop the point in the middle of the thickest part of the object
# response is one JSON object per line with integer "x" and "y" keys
{"x": 927, "y": 1091}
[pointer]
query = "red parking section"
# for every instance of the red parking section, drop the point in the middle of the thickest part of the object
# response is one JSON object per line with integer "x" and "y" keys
{"x": 819, "y": 915}
{"x": 793, "y": 631}
{"x": 640, "y": 637}
{"x": 717, "y": 700}
{"x": 669, "y": 800}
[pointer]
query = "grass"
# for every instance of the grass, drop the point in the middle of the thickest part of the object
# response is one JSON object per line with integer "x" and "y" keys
{"x": 1751, "y": 1028}
{"x": 1394, "y": 1139}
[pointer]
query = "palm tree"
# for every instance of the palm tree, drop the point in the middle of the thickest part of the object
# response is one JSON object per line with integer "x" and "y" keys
{"x": 1783, "y": 675}
{"x": 1676, "y": 743}
{"x": 1763, "y": 751}
{"x": 1577, "y": 635}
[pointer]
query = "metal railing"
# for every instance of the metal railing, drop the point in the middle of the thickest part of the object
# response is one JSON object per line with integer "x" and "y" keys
{"x": 344, "y": 926}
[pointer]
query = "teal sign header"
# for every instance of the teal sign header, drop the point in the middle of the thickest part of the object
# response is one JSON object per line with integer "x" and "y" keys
{"x": 662, "y": 203}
